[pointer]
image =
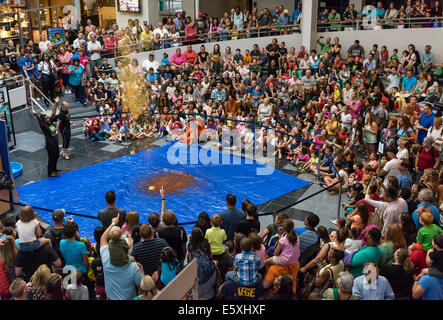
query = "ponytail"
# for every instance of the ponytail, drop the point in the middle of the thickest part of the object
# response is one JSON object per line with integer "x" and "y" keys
{"x": 404, "y": 260}
{"x": 288, "y": 226}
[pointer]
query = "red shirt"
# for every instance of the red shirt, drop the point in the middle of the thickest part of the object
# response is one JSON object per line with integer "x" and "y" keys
{"x": 426, "y": 159}
{"x": 191, "y": 57}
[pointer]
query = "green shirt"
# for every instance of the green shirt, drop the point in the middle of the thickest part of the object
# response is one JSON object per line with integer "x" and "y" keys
{"x": 334, "y": 25}
{"x": 325, "y": 48}
{"x": 426, "y": 233}
{"x": 216, "y": 236}
{"x": 365, "y": 254}
{"x": 387, "y": 252}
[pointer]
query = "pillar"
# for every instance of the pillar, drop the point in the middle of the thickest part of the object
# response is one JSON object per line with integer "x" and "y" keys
{"x": 309, "y": 24}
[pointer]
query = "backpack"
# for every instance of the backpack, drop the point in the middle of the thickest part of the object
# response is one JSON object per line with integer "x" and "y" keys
{"x": 309, "y": 254}
{"x": 5, "y": 181}
{"x": 57, "y": 237}
{"x": 4, "y": 282}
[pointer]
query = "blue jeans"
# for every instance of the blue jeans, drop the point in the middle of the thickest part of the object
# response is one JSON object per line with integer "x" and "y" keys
{"x": 30, "y": 246}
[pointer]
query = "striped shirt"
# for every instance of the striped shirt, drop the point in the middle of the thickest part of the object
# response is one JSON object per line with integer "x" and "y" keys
{"x": 247, "y": 265}
{"x": 147, "y": 253}
{"x": 307, "y": 239}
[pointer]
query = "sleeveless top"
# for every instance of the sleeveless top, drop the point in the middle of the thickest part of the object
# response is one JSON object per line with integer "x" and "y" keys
{"x": 370, "y": 137}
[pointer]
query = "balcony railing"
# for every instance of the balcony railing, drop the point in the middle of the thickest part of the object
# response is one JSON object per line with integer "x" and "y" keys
{"x": 374, "y": 24}
{"x": 275, "y": 30}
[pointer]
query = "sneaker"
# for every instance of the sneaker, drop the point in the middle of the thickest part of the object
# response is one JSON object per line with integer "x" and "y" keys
{"x": 66, "y": 157}
{"x": 38, "y": 99}
{"x": 85, "y": 103}
{"x": 78, "y": 102}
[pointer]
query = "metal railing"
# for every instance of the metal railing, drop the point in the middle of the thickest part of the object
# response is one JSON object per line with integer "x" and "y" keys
{"x": 216, "y": 36}
{"x": 273, "y": 30}
{"x": 371, "y": 24}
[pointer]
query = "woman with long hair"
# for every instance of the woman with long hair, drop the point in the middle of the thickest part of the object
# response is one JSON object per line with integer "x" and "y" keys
{"x": 400, "y": 274}
{"x": 54, "y": 288}
{"x": 393, "y": 241}
{"x": 215, "y": 58}
{"x": 8, "y": 253}
{"x": 132, "y": 220}
{"x": 405, "y": 130}
{"x": 370, "y": 130}
{"x": 147, "y": 289}
{"x": 38, "y": 282}
{"x": 203, "y": 222}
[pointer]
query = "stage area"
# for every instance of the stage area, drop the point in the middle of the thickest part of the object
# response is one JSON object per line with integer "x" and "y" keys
{"x": 191, "y": 187}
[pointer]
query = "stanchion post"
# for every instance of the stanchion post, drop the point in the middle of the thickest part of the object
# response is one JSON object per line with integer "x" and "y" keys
{"x": 318, "y": 164}
{"x": 339, "y": 199}
{"x": 253, "y": 151}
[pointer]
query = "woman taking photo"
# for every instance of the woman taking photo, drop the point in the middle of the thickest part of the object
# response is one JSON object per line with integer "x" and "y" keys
{"x": 370, "y": 134}
{"x": 48, "y": 71}
{"x": 76, "y": 77}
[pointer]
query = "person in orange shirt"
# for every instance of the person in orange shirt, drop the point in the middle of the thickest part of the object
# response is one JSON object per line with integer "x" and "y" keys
{"x": 189, "y": 136}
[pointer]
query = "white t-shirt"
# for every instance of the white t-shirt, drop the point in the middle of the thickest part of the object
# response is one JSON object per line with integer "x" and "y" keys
{"x": 151, "y": 64}
{"x": 391, "y": 167}
{"x": 346, "y": 118}
{"x": 26, "y": 230}
{"x": 435, "y": 135}
{"x": 93, "y": 46}
{"x": 344, "y": 178}
{"x": 352, "y": 245}
{"x": 43, "y": 45}
{"x": 403, "y": 154}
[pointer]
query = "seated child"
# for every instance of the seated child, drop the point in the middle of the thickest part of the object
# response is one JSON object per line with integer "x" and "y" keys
{"x": 353, "y": 244}
{"x": 118, "y": 248}
{"x": 287, "y": 250}
{"x": 28, "y": 228}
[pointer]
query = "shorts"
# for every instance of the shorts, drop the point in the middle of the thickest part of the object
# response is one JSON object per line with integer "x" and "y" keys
{"x": 355, "y": 146}
{"x": 372, "y": 144}
{"x": 30, "y": 246}
{"x": 276, "y": 260}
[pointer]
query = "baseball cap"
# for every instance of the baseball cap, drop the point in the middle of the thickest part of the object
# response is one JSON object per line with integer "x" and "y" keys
{"x": 285, "y": 11}
{"x": 200, "y": 14}
{"x": 58, "y": 214}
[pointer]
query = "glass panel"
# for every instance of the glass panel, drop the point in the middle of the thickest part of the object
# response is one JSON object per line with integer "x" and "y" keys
{"x": 176, "y": 6}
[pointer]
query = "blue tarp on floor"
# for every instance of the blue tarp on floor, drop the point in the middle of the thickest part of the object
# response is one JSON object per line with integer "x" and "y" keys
{"x": 83, "y": 191}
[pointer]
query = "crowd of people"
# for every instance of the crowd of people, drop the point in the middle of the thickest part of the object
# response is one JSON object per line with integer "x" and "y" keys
{"x": 369, "y": 112}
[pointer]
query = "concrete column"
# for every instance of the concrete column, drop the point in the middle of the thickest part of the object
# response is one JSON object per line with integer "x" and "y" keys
{"x": 309, "y": 24}
{"x": 197, "y": 7}
{"x": 191, "y": 7}
{"x": 77, "y": 11}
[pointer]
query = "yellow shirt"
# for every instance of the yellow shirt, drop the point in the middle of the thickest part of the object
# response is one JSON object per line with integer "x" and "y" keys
{"x": 146, "y": 36}
{"x": 247, "y": 59}
{"x": 328, "y": 124}
{"x": 216, "y": 236}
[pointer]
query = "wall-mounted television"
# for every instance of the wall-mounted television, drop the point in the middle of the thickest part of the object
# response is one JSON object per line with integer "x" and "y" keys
{"x": 129, "y": 5}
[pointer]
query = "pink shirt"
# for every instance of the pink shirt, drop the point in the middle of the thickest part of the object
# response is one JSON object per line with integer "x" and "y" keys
{"x": 357, "y": 106}
{"x": 289, "y": 253}
{"x": 304, "y": 157}
{"x": 178, "y": 60}
{"x": 262, "y": 255}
